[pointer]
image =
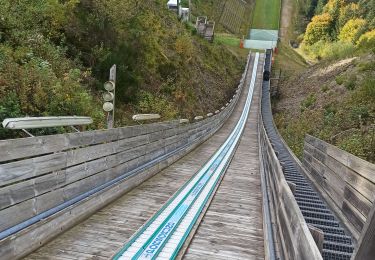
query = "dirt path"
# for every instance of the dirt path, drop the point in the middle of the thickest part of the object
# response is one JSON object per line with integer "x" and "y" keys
{"x": 286, "y": 18}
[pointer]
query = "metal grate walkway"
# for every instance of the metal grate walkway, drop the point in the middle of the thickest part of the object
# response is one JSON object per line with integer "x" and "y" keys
{"x": 337, "y": 244}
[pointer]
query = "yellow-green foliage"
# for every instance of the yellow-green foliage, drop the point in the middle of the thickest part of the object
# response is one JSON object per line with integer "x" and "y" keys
{"x": 318, "y": 29}
{"x": 56, "y": 54}
{"x": 341, "y": 21}
{"x": 157, "y": 104}
{"x": 349, "y": 33}
{"x": 346, "y": 124}
{"x": 184, "y": 46}
{"x": 333, "y": 4}
{"x": 348, "y": 12}
{"x": 367, "y": 41}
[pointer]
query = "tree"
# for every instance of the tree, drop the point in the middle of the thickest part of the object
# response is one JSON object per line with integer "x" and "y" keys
{"x": 350, "y": 31}
{"x": 367, "y": 41}
{"x": 333, "y": 6}
{"x": 318, "y": 29}
{"x": 319, "y": 6}
{"x": 350, "y": 11}
{"x": 367, "y": 11}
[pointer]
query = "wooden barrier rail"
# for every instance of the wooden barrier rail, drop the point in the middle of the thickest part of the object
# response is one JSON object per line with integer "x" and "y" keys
{"x": 290, "y": 232}
{"x": 294, "y": 238}
{"x": 346, "y": 182}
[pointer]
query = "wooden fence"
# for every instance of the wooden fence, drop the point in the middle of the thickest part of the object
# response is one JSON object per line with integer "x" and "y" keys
{"x": 346, "y": 182}
{"x": 294, "y": 240}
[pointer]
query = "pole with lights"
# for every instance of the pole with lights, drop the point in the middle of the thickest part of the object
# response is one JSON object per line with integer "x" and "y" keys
{"x": 109, "y": 97}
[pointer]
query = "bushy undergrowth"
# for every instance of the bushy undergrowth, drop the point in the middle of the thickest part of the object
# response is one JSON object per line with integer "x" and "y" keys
{"x": 329, "y": 50}
{"x": 348, "y": 123}
{"x": 55, "y": 56}
{"x": 337, "y": 28}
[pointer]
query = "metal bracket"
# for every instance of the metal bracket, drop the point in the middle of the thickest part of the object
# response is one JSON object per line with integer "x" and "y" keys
{"x": 74, "y": 128}
{"x": 27, "y": 132}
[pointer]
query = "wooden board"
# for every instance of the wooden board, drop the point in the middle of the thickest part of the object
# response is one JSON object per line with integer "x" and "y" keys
{"x": 39, "y": 194}
{"x": 347, "y": 181}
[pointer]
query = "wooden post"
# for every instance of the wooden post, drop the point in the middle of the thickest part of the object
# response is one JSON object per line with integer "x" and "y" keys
{"x": 178, "y": 9}
{"x": 318, "y": 236}
{"x": 292, "y": 186}
{"x": 111, "y": 114}
{"x": 366, "y": 242}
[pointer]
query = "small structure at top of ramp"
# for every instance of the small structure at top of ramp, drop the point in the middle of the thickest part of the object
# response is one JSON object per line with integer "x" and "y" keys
{"x": 262, "y": 39}
{"x": 205, "y": 28}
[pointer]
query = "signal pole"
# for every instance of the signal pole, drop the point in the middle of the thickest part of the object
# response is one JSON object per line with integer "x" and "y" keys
{"x": 110, "y": 96}
{"x": 178, "y": 9}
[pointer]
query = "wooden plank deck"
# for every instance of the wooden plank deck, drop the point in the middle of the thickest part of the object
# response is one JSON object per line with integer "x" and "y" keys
{"x": 101, "y": 235}
{"x": 232, "y": 227}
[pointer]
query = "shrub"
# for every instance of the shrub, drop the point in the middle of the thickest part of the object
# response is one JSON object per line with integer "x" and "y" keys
{"x": 368, "y": 88}
{"x": 349, "y": 33}
{"x": 150, "y": 103}
{"x": 367, "y": 66}
{"x": 353, "y": 144}
{"x": 308, "y": 102}
{"x": 367, "y": 41}
{"x": 324, "y": 88}
{"x": 350, "y": 82}
{"x": 329, "y": 50}
{"x": 340, "y": 79}
{"x": 183, "y": 46}
{"x": 9, "y": 107}
{"x": 359, "y": 114}
{"x": 318, "y": 29}
{"x": 338, "y": 50}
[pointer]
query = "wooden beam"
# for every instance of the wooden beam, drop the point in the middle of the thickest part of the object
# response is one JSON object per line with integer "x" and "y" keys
{"x": 366, "y": 242}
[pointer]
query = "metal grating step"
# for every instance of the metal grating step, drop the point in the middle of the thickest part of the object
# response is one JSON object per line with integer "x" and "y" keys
{"x": 338, "y": 238}
{"x": 336, "y": 255}
{"x": 323, "y": 222}
{"x": 316, "y": 202}
{"x": 338, "y": 246}
{"x": 312, "y": 197}
{"x": 320, "y": 215}
{"x": 330, "y": 230}
{"x": 314, "y": 209}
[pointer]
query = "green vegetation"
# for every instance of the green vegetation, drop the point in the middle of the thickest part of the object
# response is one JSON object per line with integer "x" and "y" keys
{"x": 55, "y": 56}
{"x": 266, "y": 14}
{"x": 308, "y": 102}
{"x": 333, "y": 99}
{"x": 227, "y": 39}
{"x": 338, "y": 28}
{"x": 332, "y": 104}
{"x": 230, "y": 16}
{"x": 287, "y": 60}
{"x": 342, "y": 113}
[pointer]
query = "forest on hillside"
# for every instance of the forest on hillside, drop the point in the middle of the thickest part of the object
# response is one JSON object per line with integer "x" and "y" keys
{"x": 55, "y": 56}
{"x": 334, "y": 99}
{"x": 336, "y": 28}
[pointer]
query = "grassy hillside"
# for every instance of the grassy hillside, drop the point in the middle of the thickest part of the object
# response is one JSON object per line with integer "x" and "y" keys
{"x": 333, "y": 99}
{"x": 55, "y": 56}
{"x": 231, "y": 16}
{"x": 266, "y": 14}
